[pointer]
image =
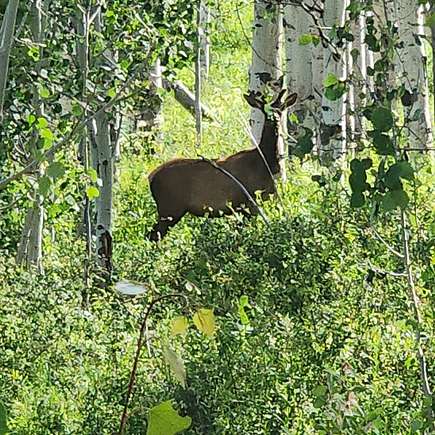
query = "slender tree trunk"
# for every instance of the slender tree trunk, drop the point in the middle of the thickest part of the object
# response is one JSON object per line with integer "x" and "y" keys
{"x": 30, "y": 246}
{"x": 82, "y": 28}
{"x": 204, "y": 19}
{"x": 412, "y": 65}
{"x": 333, "y": 129}
{"x": 432, "y": 29}
{"x": 358, "y": 73}
{"x": 265, "y": 65}
{"x": 6, "y": 40}
{"x": 105, "y": 167}
{"x": 104, "y": 157}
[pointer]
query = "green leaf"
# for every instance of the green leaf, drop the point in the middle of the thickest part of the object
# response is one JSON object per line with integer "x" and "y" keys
{"x": 93, "y": 175}
{"x": 176, "y": 364}
{"x": 394, "y": 199}
{"x": 308, "y": 38}
{"x": 92, "y": 192}
{"x": 320, "y": 391}
{"x": 56, "y": 170}
{"x": 47, "y": 135}
{"x": 382, "y": 143}
{"x": 243, "y": 303}
{"x": 44, "y": 184}
{"x": 401, "y": 198}
{"x": 382, "y": 119}
{"x": 405, "y": 169}
{"x": 31, "y": 120}
{"x": 42, "y": 123}
{"x": 179, "y": 326}
{"x": 392, "y": 178}
{"x": 330, "y": 80}
{"x": 43, "y": 92}
{"x": 304, "y": 144}
{"x": 334, "y": 93}
{"x": 111, "y": 93}
{"x": 164, "y": 420}
{"x": 3, "y": 420}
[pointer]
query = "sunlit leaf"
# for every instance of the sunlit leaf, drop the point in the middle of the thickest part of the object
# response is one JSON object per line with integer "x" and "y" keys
{"x": 243, "y": 303}
{"x": 164, "y": 420}
{"x": 176, "y": 364}
{"x": 179, "y": 325}
{"x": 204, "y": 320}
{"x": 330, "y": 80}
{"x": 92, "y": 192}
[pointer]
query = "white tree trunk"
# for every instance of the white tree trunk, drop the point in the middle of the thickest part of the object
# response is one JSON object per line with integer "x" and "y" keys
{"x": 333, "y": 134}
{"x": 6, "y": 40}
{"x": 359, "y": 85}
{"x": 204, "y": 37}
{"x": 265, "y": 65}
{"x": 412, "y": 66}
{"x": 104, "y": 203}
{"x": 30, "y": 246}
{"x": 304, "y": 68}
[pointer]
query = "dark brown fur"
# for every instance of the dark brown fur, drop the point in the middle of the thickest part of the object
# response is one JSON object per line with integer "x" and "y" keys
{"x": 195, "y": 186}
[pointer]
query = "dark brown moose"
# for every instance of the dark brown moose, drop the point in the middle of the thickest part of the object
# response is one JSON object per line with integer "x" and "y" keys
{"x": 200, "y": 187}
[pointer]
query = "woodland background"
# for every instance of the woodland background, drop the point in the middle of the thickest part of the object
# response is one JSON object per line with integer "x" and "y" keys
{"x": 322, "y": 316}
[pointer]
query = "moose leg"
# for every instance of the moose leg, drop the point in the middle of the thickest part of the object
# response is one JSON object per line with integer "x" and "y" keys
{"x": 161, "y": 227}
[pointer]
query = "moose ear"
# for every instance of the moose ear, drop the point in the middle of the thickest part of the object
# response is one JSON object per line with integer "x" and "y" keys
{"x": 277, "y": 104}
{"x": 290, "y": 100}
{"x": 253, "y": 100}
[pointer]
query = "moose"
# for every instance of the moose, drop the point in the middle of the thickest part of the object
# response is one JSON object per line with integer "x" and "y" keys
{"x": 219, "y": 187}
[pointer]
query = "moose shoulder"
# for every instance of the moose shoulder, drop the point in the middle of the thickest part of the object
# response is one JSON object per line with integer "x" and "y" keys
{"x": 200, "y": 187}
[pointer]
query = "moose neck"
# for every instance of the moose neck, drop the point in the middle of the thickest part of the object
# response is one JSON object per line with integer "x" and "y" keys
{"x": 269, "y": 142}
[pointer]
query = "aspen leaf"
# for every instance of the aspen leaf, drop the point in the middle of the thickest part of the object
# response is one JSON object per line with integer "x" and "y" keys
{"x": 179, "y": 325}
{"x": 92, "y": 192}
{"x": 204, "y": 320}
{"x": 243, "y": 303}
{"x": 165, "y": 420}
{"x": 176, "y": 364}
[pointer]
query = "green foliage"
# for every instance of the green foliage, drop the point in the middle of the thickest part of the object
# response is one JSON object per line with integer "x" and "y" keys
{"x": 314, "y": 335}
{"x": 3, "y": 420}
{"x": 164, "y": 420}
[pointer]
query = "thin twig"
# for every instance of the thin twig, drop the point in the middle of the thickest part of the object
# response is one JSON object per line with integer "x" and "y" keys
{"x": 136, "y": 358}
{"x": 387, "y": 245}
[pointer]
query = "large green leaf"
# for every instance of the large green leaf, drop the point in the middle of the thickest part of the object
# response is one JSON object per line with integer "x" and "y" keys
{"x": 382, "y": 143}
{"x": 394, "y": 199}
{"x": 382, "y": 119}
{"x": 164, "y": 420}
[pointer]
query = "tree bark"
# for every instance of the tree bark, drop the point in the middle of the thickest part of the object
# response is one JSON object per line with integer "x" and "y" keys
{"x": 265, "y": 66}
{"x": 412, "y": 66}
{"x": 204, "y": 38}
{"x": 333, "y": 128}
{"x": 105, "y": 168}
{"x": 6, "y": 40}
{"x": 304, "y": 66}
{"x": 30, "y": 245}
